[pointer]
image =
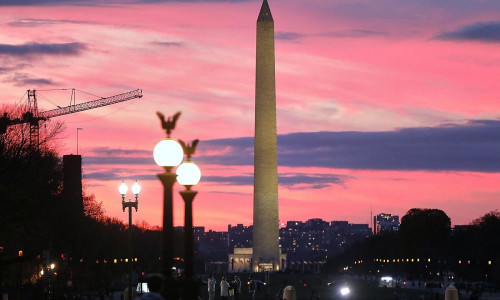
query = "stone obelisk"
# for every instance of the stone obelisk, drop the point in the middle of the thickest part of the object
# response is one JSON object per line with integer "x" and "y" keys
{"x": 266, "y": 252}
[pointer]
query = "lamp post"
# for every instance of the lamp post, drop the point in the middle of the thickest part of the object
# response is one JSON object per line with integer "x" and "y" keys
{"x": 188, "y": 175}
{"x": 47, "y": 275}
{"x": 136, "y": 188}
{"x": 168, "y": 154}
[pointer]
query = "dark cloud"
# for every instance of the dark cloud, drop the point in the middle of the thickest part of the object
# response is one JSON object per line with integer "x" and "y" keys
{"x": 474, "y": 146}
{"x": 230, "y": 180}
{"x": 98, "y": 2}
{"x": 290, "y": 180}
{"x": 117, "y": 152}
{"x": 118, "y": 160}
{"x": 23, "y": 2}
{"x": 116, "y": 175}
{"x": 64, "y": 2}
{"x": 162, "y": 1}
{"x": 5, "y": 69}
{"x": 106, "y": 176}
{"x": 168, "y": 44}
{"x": 29, "y": 49}
{"x": 315, "y": 181}
{"x": 288, "y": 36}
{"x": 482, "y": 32}
{"x": 236, "y": 151}
{"x": 353, "y": 33}
{"x": 24, "y": 79}
{"x": 33, "y": 22}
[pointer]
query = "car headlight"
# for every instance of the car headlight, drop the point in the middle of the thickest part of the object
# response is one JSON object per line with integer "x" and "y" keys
{"x": 345, "y": 291}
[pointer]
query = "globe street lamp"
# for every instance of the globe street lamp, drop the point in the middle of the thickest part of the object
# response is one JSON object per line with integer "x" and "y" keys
{"x": 136, "y": 188}
{"x": 168, "y": 154}
{"x": 188, "y": 174}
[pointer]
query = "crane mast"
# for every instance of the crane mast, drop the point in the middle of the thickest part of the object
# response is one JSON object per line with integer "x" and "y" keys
{"x": 33, "y": 116}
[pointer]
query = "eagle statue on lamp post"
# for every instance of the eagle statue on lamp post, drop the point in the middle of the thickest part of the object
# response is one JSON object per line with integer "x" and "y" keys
{"x": 168, "y": 124}
{"x": 189, "y": 149}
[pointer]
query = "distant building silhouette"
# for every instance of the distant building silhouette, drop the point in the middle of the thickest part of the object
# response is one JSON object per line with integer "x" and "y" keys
{"x": 239, "y": 236}
{"x": 307, "y": 245}
{"x": 385, "y": 223}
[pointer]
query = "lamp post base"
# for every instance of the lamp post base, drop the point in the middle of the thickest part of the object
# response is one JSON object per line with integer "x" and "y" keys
{"x": 168, "y": 179}
{"x": 190, "y": 287}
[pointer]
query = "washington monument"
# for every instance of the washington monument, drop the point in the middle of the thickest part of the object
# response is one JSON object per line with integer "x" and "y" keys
{"x": 266, "y": 251}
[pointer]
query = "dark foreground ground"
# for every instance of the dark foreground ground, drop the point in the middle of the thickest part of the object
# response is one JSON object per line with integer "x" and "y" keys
{"x": 316, "y": 287}
{"x": 307, "y": 287}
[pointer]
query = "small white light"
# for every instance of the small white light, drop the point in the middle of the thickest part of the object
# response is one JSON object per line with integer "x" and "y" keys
{"x": 123, "y": 189}
{"x": 345, "y": 291}
{"x": 136, "y": 188}
{"x": 52, "y": 266}
{"x": 168, "y": 153}
{"x": 188, "y": 173}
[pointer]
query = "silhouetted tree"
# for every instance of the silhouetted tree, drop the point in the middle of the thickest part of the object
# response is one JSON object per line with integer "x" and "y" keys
{"x": 488, "y": 231}
{"x": 92, "y": 208}
{"x": 486, "y": 244}
{"x": 30, "y": 182}
{"x": 381, "y": 246}
{"x": 30, "y": 185}
{"x": 474, "y": 246}
{"x": 424, "y": 232}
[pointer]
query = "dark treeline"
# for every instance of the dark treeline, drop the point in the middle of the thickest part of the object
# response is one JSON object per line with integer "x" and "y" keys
{"x": 426, "y": 248}
{"x": 39, "y": 228}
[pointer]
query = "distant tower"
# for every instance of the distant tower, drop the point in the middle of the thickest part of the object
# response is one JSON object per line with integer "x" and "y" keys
{"x": 266, "y": 251}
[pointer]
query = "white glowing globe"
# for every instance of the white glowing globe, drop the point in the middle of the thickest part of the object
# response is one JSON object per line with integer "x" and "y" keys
{"x": 136, "y": 188}
{"x": 188, "y": 173}
{"x": 168, "y": 153}
{"x": 123, "y": 188}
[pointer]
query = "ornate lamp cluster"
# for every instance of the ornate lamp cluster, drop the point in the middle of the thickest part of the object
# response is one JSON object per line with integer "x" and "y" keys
{"x": 168, "y": 153}
{"x": 136, "y": 189}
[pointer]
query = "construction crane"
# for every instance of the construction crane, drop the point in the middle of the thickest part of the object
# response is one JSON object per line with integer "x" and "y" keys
{"x": 33, "y": 116}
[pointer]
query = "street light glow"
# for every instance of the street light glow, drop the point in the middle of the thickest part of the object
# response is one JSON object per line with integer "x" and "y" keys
{"x": 136, "y": 188}
{"x": 168, "y": 153}
{"x": 345, "y": 291}
{"x": 123, "y": 188}
{"x": 188, "y": 174}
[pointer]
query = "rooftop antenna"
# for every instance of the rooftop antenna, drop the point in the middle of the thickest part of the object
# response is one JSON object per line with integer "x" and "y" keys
{"x": 371, "y": 220}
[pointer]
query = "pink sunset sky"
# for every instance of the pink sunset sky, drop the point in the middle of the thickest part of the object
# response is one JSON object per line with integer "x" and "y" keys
{"x": 382, "y": 106}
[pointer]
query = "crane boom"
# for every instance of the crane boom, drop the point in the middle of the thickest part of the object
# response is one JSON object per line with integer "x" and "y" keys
{"x": 90, "y": 104}
{"x": 33, "y": 116}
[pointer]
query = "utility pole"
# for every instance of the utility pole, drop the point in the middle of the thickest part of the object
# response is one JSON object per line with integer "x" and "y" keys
{"x": 78, "y": 129}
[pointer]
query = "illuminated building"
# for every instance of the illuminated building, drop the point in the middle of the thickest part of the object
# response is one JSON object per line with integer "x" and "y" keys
{"x": 385, "y": 223}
